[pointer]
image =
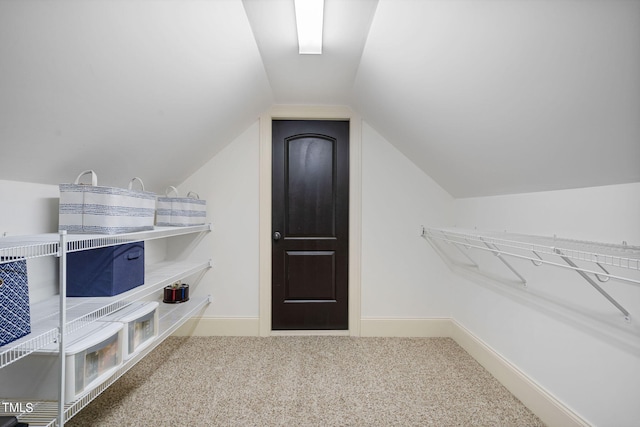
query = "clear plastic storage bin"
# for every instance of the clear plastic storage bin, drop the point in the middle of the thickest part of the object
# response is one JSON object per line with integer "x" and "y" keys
{"x": 92, "y": 354}
{"x": 140, "y": 320}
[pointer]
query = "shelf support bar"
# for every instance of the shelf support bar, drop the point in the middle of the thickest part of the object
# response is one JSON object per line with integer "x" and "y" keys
{"x": 63, "y": 325}
{"x": 496, "y": 252}
{"x": 537, "y": 263}
{"x": 466, "y": 255}
{"x": 600, "y": 277}
{"x": 473, "y": 263}
{"x": 594, "y": 284}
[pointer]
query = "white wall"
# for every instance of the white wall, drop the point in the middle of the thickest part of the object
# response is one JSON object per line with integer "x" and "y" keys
{"x": 595, "y": 213}
{"x": 28, "y": 208}
{"x": 32, "y": 209}
{"x": 229, "y": 184}
{"x": 559, "y": 330}
{"x": 402, "y": 277}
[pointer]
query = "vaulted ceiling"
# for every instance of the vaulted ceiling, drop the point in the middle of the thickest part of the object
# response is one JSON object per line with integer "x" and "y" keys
{"x": 486, "y": 96}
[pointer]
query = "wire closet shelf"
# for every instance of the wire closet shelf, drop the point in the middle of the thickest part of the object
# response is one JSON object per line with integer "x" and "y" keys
{"x": 554, "y": 251}
{"x": 54, "y": 319}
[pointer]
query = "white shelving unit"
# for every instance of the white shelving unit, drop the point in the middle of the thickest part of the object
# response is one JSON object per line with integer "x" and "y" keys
{"x": 54, "y": 318}
{"x": 591, "y": 260}
{"x": 42, "y": 333}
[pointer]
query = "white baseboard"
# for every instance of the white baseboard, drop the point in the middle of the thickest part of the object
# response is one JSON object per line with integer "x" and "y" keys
{"x": 426, "y": 328}
{"x": 216, "y": 326}
{"x": 549, "y": 409}
{"x": 328, "y": 333}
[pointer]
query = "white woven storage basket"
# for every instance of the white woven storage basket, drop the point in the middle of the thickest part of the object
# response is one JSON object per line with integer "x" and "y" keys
{"x": 180, "y": 211}
{"x": 91, "y": 208}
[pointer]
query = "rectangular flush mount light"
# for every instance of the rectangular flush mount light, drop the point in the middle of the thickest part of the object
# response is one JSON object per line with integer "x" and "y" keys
{"x": 309, "y": 17}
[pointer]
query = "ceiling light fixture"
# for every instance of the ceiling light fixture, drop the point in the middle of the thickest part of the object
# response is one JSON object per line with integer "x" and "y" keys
{"x": 309, "y": 18}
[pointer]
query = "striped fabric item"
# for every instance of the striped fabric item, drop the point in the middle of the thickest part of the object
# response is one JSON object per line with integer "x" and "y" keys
{"x": 105, "y": 210}
{"x": 180, "y": 211}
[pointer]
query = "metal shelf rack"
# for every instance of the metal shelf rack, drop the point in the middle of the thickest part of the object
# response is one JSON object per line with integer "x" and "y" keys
{"x": 54, "y": 318}
{"x": 557, "y": 252}
{"x": 171, "y": 318}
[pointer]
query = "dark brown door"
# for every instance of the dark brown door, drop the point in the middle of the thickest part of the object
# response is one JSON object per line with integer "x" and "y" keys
{"x": 310, "y": 246}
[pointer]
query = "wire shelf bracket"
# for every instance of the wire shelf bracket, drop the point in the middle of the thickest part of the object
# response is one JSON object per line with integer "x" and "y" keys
{"x": 627, "y": 316}
{"x": 466, "y": 255}
{"x": 533, "y": 248}
{"x": 496, "y": 252}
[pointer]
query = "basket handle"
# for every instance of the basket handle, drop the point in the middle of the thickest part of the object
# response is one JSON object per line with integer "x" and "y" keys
{"x": 171, "y": 189}
{"x": 193, "y": 195}
{"x": 134, "y": 179}
{"x": 94, "y": 177}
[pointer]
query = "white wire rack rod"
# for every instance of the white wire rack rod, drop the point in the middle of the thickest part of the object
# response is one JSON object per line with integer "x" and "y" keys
{"x": 91, "y": 241}
{"x": 11, "y": 353}
{"x": 631, "y": 263}
{"x": 12, "y": 253}
{"x": 496, "y": 252}
{"x": 62, "y": 327}
{"x": 595, "y": 285}
{"x": 607, "y": 259}
{"x": 99, "y": 242}
{"x": 527, "y": 240}
{"x": 537, "y": 260}
{"x": 113, "y": 304}
{"x": 578, "y": 254}
{"x": 502, "y": 242}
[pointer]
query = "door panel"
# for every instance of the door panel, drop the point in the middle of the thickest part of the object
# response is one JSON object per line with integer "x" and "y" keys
{"x": 311, "y": 216}
{"x": 311, "y": 276}
{"x": 310, "y": 186}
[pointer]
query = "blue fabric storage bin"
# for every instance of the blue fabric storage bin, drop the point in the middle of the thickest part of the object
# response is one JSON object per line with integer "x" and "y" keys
{"x": 106, "y": 271}
{"x": 15, "y": 316}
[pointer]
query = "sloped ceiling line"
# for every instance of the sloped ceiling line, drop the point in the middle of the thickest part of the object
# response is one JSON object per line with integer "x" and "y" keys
{"x": 486, "y": 97}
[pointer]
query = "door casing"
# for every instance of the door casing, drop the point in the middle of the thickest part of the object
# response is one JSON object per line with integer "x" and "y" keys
{"x": 355, "y": 211}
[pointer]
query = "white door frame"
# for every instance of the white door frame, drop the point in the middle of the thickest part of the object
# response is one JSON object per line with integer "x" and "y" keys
{"x": 284, "y": 112}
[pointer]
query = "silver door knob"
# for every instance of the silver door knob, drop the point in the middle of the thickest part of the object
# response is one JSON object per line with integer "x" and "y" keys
{"x": 277, "y": 236}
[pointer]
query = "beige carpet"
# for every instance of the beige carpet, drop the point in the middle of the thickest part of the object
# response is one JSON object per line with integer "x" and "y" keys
{"x": 306, "y": 381}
